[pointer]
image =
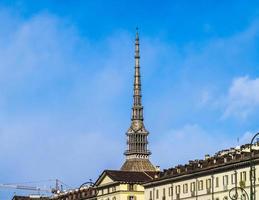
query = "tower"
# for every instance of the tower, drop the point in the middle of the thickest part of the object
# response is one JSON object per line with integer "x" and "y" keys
{"x": 137, "y": 153}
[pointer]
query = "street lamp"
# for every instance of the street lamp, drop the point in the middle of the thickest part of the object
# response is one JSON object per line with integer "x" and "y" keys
{"x": 234, "y": 192}
{"x": 238, "y": 193}
{"x": 252, "y": 170}
{"x": 88, "y": 183}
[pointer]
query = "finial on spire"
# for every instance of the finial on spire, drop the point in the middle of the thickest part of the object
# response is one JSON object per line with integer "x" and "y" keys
{"x": 137, "y": 33}
{"x": 137, "y": 110}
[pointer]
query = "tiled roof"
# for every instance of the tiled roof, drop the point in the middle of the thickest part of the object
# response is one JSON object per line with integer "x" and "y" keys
{"x": 220, "y": 161}
{"x": 130, "y": 176}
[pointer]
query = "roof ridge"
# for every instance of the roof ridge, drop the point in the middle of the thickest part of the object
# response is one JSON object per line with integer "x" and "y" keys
{"x": 148, "y": 175}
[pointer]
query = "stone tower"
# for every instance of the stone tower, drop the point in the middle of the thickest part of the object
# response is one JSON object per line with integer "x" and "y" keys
{"x": 137, "y": 153}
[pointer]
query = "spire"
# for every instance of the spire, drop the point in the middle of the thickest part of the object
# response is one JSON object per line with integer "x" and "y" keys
{"x": 137, "y": 153}
{"x": 137, "y": 110}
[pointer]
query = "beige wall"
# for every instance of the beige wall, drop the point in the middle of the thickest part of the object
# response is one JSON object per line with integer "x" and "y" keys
{"x": 106, "y": 180}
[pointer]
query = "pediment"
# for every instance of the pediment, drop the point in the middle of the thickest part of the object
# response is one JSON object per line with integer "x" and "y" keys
{"x": 104, "y": 179}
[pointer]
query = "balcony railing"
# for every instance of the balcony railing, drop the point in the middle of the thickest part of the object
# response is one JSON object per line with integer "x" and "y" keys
{"x": 128, "y": 152}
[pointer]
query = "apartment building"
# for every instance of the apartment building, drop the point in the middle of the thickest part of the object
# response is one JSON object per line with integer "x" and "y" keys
{"x": 214, "y": 178}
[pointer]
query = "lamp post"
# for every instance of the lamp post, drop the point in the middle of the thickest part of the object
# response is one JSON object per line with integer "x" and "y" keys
{"x": 238, "y": 193}
{"x": 234, "y": 193}
{"x": 88, "y": 183}
{"x": 252, "y": 170}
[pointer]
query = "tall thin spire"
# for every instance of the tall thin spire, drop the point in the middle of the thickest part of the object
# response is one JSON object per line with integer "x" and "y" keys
{"x": 137, "y": 153}
{"x": 137, "y": 110}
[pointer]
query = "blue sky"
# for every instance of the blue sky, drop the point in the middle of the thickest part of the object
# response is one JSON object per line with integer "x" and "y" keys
{"x": 66, "y": 77}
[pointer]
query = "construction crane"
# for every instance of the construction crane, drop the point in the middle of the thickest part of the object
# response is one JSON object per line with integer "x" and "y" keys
{"x": 25, "y": 187}
{"x": 34, "y": 188}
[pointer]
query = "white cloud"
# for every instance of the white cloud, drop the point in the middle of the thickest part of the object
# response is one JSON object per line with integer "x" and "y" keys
{"x": 57, "y": 97}
{"x": 242, "y": 98}
{"x": 43, "y": 150}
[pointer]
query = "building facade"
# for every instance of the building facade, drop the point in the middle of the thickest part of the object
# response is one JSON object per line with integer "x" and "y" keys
{"x": 219, "y": 177}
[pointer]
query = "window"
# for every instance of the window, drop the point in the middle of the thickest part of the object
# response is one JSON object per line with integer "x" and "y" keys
{"x": 177, "y": 189}
{"x": 157, "y": 194}
{"x": 243, "y": 176}
{"x": 200, "y": 185}
{"x": 208, "y": 183}
{"x": 225, "y": 180}
{"x": 217, "y": 181}
{"x": 192, "y": 186}
{"x": 185, "y": 188}
{"x": 163, "y": 194}
{"x": 130, "y": 187}
{"x": 113, "y": 189}
{"x": 233, "y": 178}
{"x": 150, "y": 195}
{"x": 170, "y": 191}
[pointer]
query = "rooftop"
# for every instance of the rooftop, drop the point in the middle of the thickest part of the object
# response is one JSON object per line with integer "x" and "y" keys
{"x": 220, "y": 159}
